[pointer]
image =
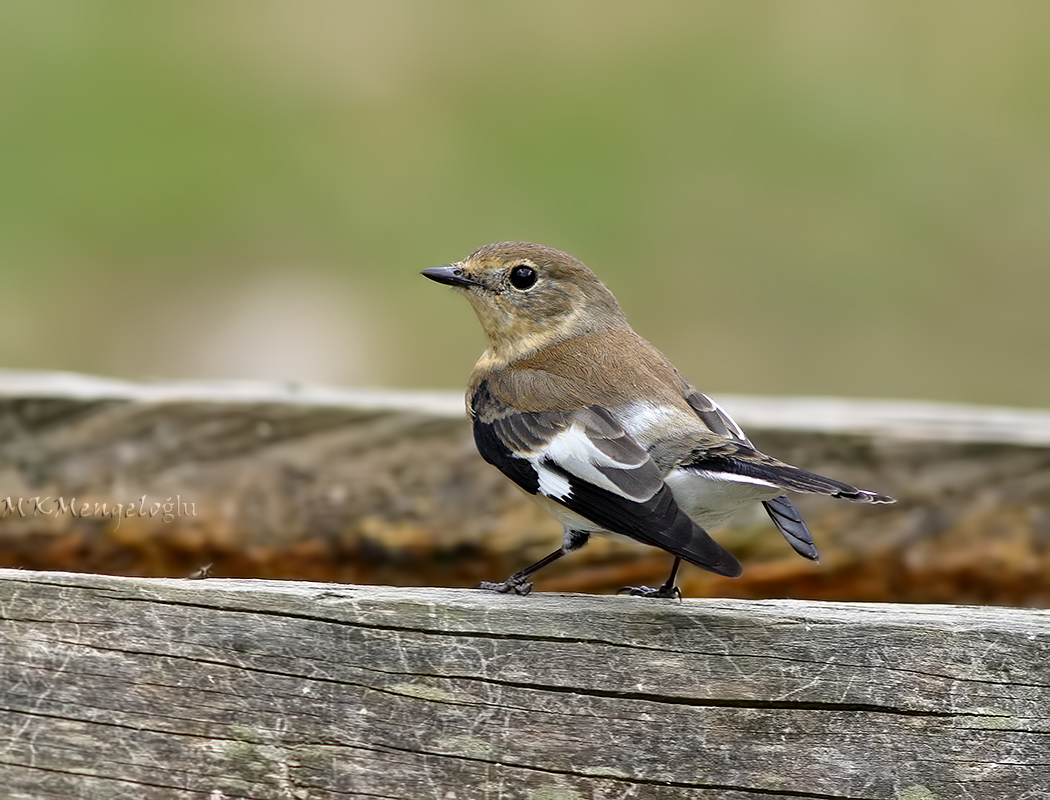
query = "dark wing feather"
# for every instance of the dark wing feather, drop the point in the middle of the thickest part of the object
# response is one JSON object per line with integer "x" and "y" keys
{"x": 712, "y": 415}
{"x": 586, "y": 462}
{"x": 494, "y": 448}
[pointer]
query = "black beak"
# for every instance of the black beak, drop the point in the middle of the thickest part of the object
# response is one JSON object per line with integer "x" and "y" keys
{"x": 451, "y": 276}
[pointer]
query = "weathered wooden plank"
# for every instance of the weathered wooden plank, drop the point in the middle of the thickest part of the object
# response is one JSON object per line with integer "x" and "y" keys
{"x": 386, "y": 487}
{"x": 125, "y": 687}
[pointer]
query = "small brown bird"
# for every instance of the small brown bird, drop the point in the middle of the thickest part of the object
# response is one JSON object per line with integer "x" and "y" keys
{"x": 590, "y": 419}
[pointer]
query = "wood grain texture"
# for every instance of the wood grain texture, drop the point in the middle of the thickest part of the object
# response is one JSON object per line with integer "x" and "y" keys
{"x": 146, "y": 688}
{"x": 387, "y": 487}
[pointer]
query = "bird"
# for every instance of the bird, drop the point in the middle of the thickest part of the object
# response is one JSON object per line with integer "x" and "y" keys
{"x": 594, "y": 423}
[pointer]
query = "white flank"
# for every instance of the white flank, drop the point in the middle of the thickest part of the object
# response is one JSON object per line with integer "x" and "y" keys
{"x": 640, "y": 418}
{"x": 711, "y": 498}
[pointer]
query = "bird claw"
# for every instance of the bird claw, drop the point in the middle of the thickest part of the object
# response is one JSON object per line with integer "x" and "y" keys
{"x": 666, "y": 592}
{"x": 508, "y": 586}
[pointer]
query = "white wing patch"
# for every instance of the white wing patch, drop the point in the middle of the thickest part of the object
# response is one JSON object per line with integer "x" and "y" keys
{"x": 552, "y": 484}
{"x": 573, "y": 452}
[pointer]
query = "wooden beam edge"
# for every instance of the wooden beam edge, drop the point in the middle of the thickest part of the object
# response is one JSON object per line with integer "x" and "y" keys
{"x": 337, "y": 598}
{"x": 899, "y": 419}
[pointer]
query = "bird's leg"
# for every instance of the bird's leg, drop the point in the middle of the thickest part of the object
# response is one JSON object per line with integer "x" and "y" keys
{"x": 668, "y": 590}
{"x": 518, "y": 583}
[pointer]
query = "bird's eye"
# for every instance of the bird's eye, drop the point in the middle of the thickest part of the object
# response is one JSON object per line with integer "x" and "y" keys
{"x": 522, "y": 277}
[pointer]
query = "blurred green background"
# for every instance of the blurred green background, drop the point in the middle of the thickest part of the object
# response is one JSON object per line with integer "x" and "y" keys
{"x": 800, "y": 198}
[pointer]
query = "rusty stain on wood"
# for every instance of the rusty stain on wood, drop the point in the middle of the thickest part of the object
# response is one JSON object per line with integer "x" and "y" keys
{"x": 386, "y": 487}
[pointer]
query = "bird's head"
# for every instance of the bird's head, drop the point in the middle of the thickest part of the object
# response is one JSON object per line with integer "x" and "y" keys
{"x": 528, "y": 295}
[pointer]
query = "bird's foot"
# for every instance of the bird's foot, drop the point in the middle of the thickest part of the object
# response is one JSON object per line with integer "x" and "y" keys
{"x": 509, "y": 586}
{"x": 667, "y": 591}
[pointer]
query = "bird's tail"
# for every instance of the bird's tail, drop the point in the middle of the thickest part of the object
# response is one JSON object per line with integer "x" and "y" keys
{"x": 790, "y": 523}
{"x": 757, "y": 468}
{"x": 800, "y": 480}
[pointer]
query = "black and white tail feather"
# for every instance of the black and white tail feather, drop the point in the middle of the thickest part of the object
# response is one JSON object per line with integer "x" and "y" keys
{"x": 780, "y": 509}
{"x": 742, "y": 461}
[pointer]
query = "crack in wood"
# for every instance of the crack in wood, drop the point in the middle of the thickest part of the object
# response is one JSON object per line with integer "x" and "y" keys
{"x": 741, "y": 703}
{"x": 129, "y": 781}
{"x": 634, "y": 780}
